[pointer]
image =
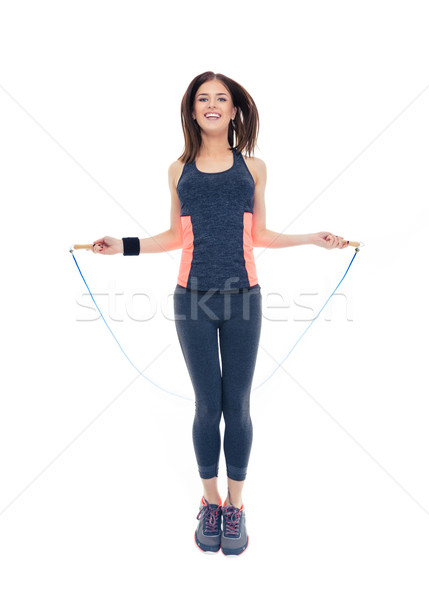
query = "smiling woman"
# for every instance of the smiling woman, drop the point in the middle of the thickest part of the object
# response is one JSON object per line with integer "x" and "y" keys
{"x": 217, "y": 217}
{"x": 235, "y": 106}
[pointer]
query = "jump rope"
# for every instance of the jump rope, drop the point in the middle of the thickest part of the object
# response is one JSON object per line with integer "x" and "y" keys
{"x": 356, "y": 245}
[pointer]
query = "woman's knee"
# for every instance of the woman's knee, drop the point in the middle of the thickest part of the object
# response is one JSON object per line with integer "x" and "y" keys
{"x": 238, "y": 414}
{"x": 209, "y": 412}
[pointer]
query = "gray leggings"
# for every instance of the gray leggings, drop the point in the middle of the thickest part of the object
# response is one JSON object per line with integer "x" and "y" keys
{"x": 238, "y": 317}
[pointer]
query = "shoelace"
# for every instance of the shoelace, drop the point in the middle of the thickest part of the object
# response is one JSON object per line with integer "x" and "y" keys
{"x": 211, "y": 518}
{"x": 232, "y": 515}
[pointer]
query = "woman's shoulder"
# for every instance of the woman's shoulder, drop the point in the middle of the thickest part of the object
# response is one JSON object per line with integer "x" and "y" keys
{"x": 254, "y": 160}
{"x": 175, "y": 171}
{"x": 256, "y": 166}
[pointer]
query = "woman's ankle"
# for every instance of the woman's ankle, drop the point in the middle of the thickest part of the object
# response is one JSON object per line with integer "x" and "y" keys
{"x": 212, "y": 499}
{"x": 236, "y": 503}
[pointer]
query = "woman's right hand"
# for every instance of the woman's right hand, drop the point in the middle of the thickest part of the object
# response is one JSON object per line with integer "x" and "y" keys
{"x": 108, "y": 245}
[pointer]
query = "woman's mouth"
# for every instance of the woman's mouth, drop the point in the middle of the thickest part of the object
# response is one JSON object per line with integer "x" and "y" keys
{"x": 212, "y": 116}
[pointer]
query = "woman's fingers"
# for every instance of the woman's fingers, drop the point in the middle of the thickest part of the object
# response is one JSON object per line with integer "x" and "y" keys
{"x": 97, "y": 247}
{"x": 100, "y": 245}
{"x": 336, "y": 241}
{"x": 328, "y": 240}
{"x": 107, "y": 245}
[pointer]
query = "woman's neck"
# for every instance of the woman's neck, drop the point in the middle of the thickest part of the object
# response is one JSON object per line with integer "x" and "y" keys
{"x": 213, "y": 148}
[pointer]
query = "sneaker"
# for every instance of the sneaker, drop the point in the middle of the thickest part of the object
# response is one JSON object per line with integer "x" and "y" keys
{"x": 208, "y": 531}
{"x": 234, "y": 538}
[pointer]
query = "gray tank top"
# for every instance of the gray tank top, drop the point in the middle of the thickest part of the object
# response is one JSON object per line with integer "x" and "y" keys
{"x": 216, "y": 212}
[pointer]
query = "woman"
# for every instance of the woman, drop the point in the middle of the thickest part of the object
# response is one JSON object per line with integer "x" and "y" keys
{"x": 217, "y": 217}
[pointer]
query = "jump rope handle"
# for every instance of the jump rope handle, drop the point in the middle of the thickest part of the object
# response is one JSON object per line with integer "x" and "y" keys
{"x": 81, "y": 247}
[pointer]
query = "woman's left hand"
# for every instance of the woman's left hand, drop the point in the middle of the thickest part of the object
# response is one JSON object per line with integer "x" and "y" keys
{"x": 327, "y": 240}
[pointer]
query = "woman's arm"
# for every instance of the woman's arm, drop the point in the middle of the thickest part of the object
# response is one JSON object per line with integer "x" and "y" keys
{"x": 265, "y": 238}
{"x": 171, "y": 239}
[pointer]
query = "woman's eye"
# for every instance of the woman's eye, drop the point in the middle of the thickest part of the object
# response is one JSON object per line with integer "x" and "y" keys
{"x": 203, "y": 99}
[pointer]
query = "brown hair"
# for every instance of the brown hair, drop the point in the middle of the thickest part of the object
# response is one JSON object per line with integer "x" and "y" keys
{"x": 242, "y": 131}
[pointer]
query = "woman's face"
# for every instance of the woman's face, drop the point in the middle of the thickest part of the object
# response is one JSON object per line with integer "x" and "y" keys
{"x": 213, "y": 108}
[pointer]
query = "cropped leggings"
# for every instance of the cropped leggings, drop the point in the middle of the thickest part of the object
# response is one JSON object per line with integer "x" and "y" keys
{"x": 207, "y": 322}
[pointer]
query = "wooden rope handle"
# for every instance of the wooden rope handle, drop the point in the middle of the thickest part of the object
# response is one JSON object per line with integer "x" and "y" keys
{"x": 82, "y": 246}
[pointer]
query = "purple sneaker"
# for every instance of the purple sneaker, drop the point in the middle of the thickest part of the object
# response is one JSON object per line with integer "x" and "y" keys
{"x": 208, "y": 531}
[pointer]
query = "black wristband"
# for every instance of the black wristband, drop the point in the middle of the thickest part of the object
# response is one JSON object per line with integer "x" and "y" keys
{"x": 131, "y": 246}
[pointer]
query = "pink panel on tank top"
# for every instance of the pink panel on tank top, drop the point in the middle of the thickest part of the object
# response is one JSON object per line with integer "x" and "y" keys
{"x": 187, "y": 251}
{"x": 249, "y": 259}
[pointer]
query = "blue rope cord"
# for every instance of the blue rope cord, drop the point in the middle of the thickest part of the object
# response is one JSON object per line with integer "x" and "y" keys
{"x": 186, "y": 397}
{"x": 305, "y": 330}
{"x": 123, "y": 351}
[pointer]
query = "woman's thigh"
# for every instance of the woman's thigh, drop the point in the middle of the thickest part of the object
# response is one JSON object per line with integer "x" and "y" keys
{"x": 239, "y": 343}
{"x": 198, "y": 338}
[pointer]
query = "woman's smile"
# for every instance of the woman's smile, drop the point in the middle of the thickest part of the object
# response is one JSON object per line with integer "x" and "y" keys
{"x": 212, "y": 116}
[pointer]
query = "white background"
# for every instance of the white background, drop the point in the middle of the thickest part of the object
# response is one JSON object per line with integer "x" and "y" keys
{"x": 99, "y": 485}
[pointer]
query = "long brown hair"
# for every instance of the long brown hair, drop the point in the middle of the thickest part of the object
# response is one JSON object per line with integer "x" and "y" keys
{"x": 242, "y": 131}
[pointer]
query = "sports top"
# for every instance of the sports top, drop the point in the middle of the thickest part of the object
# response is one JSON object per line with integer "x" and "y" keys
{"x": 216, "y": 212}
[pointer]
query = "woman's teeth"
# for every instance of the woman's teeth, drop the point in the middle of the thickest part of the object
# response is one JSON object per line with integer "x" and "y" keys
{"x": 212, "y": 116}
